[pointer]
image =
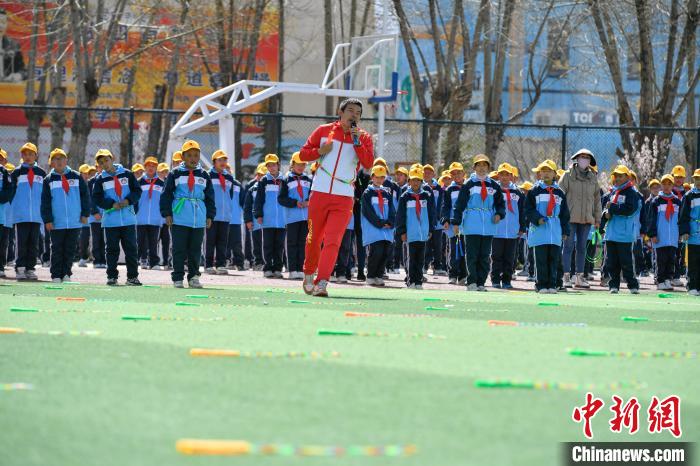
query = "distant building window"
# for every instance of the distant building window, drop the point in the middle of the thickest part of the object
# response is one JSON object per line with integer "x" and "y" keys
{"x": 557, "y": 48}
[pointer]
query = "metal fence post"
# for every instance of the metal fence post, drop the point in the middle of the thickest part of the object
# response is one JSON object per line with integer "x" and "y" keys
{"x": 279, "y": 135}
{"x": 563, "y": 146}
{"x": 131, "y": 136}
{"x": 424, "y": 139}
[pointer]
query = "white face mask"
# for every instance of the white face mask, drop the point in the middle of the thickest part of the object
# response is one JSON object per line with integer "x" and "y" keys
{"x": 583, "y": 162}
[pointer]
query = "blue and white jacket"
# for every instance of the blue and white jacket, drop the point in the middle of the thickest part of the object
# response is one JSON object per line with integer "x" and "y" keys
{"x": 5, "y": 194}
{"x": 416, "y": 228}
{"x": 94, "y": 210}
{"x": 223, "y": 197}
{"x": 266, "y": 205}
{"x": 657, "y": 226}
{"x": 554, "y": 226}
{"x": 65, "y": 209}
{"x": 289, "y": 196}
{"x": 374, "y": 219}
{"x": 689, "y": 219}
{"x": 449, "y": 201}
{"x": 188, "y": 208}
{"x": 250, "y": 196}
{"x": 514, "y": 222}
{"x": 104, "y": 196}
{"x": 479, "y": 213}
{"x": 26, "y": 199}
{"x": 149, "y": 204}
{"x": 437, "y": 194}
{"x": 237, "y": 202}
{"x": 624, "y": 209}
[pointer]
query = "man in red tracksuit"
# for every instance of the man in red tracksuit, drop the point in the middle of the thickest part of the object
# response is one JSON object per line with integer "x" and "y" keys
{"x": 331, "y": 201}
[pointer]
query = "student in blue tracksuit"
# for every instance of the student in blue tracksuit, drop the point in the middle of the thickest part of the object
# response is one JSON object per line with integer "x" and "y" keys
{"x": 689, "y": 229}
{"x": 84, "y": 241}
{"x": 678, "y": 173}
{"x": 478, "y": 210}
{"x": 548, "y": 216}
{"x": 400, "y": 181}
{"x": 395, "y": 260}
{"x": 342, "y": 273}
{"x": 512, "y": 227}
{"x": 65, "y": 206}
{"x": 234, "y": 245}
{"x": 217, "y": 235}
{"x": 270, "y": 214}
{"x": 254, "y": 228}
{"x": 415, "y": 218}
{"x": 662, "y": 228}
{"x": 188, "y": 207}
{"x": 27, "y": 185}
{"x": 9, "y": 246}
{"x": 164, "y": 236}
{"x": 5, "y": 195}
{"x": 117, "y": 192}
{"x": 458, "y": 266}
{"x": 639, "y": 226}
{"x": 621, "y": 230}
{"x": 294, "y": 197}
{"x": 434, "y": 249}
{"x": 97, "y": 234}
{"x": 148, "y": 217}
{"x": 378, "y": 219}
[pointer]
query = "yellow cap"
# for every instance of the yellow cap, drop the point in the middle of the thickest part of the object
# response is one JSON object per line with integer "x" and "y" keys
{"x": 493, "y": 174}
{"x": 403, "y": 170}
{"x": 506, "y": 167}
{"x": 633, "y": 175}
{"x": 668, "y": 178}
{"x": 190, "y": 144}
{"x": 686, "y": 186}
{"x": 150, "y": 159}
{"x": 378, "y": 170}
{"x": 3, "y": 153}
{"x": 678, "y": 170}
{"x": 653, "y": 181}
{"x": 456, "y": 166}
{"x": 219, "y": 154}
{"x": 446, "y": 173}
{"x": 29, "y": 146}
{"x": 296, "y": 158}
{"x": 177, "y": 156}
{"x": 261, "y": 170}
{"x": 415, "y": 173}
{"x": 416, "y": 165}
{"x": 442, "y": 179}
{"x": 561, "y": 172}
{"x": 526, "y": 186}
{"x": 271, "y": 158}
{"x": 57, "y": 152}
{"x": 314, "y": 167}
{"x": 380, "y": 161}
{"x": 103, "y": 153}
{"x": 546, "y": 164}
{"x": 481, "y": 158}
{"x": 515, "y": 171}
{"x": 9, "y": 167}
{"x": 696, "y": 173}
{"x": 84, "y": 169}
{"x": 427, "y": 166}
{"x": 136, "y": 167}
{"x": 621, "y": 170}
{"x": 163, "y": 167}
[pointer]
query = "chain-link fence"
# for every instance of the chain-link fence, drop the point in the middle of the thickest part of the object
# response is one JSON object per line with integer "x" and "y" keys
{"x": 132, "y": 134}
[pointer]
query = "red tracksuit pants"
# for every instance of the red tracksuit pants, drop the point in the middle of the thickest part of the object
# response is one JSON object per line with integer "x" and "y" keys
{"x": 329, "y": 215}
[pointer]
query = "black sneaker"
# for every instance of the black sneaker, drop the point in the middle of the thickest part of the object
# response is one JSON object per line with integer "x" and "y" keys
{"x": 112, "y": 282}
{"x": 133, "y": 282}
{"x": 361, "y": 276}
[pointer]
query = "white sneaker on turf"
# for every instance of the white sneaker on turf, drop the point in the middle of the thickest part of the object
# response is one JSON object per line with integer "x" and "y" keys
{"x": 308, "y": 283}
{"x": 462, "y": 281}
{"x": 320, "y": 289}
{"x": 418, "y": 287}
{"x": 677, "y": 282}
{"x": 277, "y": 274}
{"x": 268, "y": 274}
{"x": 82, "y": 263}
{"x": 56, "y": 280}
{"x": 342, "y": 279}
{"x": 694, "y": 293}
{"x": 567, "y": 281}
{"x": 553, "y": 291}
{"x": 379, "y": 282}
{"x": 370, "y": 281}
{"x": 2, "y": 274}
{"x": 668, "y": 285}
{"x": 614, "y": 291}
{"x": 472, "y": 287}
{"x": 178, "y": 284}
{"x": 634, "y": 291}
{"x": 210, "y": 271}
{"x": 66, "y": 278}
{"x": 411, "y": 286}
{"x": 194, "y": 283}
{"x": 333, "y": 279}
{"x": 452, "y": 281}
{"x": 481, "y": 288}
{"x": 221, "y": 271}
{"x": 31, "y": 275}
{"x": 581, "y": 282}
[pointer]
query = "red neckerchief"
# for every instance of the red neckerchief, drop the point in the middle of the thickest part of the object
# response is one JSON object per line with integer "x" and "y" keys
{"x": 380, "y": 198}
{"x": 618, "y": 190}
{"x": 222, "y": 182}
{"x": 552, "y": 202}
{"x": 117, "y": 186}
{"x": 30, "y": 176}
{"x": 300, "y": 190}
{"x": 418, "y": 206}
{"x": 669, "y": 207}
{"x": 190, "y": 181}
{"x": 64, "y": 183}
{"x": 509, "y": 200}
{"x": 483, "y": 190}
{"x": 152, "y": 182}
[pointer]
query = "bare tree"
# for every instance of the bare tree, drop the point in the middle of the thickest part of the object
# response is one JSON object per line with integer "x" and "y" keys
{"x": 661, "y": 101}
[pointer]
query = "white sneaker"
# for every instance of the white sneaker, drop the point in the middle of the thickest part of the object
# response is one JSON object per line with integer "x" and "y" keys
{"x": 82, "y": 263}
{"x": 614, "y": 291}
{"x": 221, "y": 271}
{"x": 66, "y": 278}
{"x": 56, "y": 280}
{"x": 342, "y": 279}
{"x": 452, "y": 281}
{"x": 462, "y": 281}
{"x": 156, "y": 267}
{"x": 194, "y": 283}
{"x": 320, "y": 289}
{"x": 246, "y": 264}
{"x": 677, "y": 282}
{"x": 31, "y": 275}
{"x": 371, "y": 281}
{"x": 210, "y": 271}
{"x": 2, "y": 274}
{"x": 411, "y": 286}
{"x": 418, "y": 287}
{"x": 333, "y": 279}
{"x": 268, "y": 274}
{"x": 581, "y": 282}
{"x": 472, "y": 287}
{"x": 694, "y": 293}
{"x": 481, "y": 288}
{"x": 277, "y": 274}
{"x": 661, "y": 287}
{"x": 379, "y": 281}
{"x": 634, "y": 291}
{"x": 308, "y": 283}
{"x": 567, "y": 281}
{"x": 178, "y": 284}
{"x": 668, "y": 285}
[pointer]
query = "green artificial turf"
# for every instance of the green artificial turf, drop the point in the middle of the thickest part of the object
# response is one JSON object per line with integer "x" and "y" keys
{"x": 127, "y": 395}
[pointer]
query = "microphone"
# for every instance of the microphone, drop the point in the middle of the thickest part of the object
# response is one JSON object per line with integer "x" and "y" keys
{"x": 355, "y": 139}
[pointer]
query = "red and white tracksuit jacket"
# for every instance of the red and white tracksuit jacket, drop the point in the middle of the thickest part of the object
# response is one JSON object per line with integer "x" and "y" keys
{"x": 332, "y": 191}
